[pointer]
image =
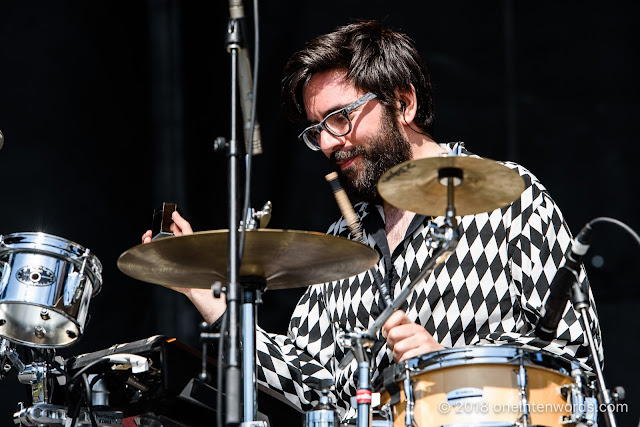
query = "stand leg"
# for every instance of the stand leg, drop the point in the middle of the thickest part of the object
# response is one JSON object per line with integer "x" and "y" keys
{"x": 364, "y": 394}
{"x": 249, "y": 356}
{"x": 604, "y": 397}
{"x": 580, "y": 301}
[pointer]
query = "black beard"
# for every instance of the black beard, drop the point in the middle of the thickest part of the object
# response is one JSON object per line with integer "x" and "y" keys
{"x": 384, "y": 150}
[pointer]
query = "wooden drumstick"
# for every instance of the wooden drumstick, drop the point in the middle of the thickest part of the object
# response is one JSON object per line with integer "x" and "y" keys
{"x": 345, "y": 207}
{"x": 356, "y": 230}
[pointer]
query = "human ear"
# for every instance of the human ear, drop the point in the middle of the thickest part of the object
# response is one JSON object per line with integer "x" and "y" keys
{"x": 407, "y": 104}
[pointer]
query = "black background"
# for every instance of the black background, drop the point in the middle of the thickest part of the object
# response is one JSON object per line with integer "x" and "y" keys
{"x": 93, "y": 93}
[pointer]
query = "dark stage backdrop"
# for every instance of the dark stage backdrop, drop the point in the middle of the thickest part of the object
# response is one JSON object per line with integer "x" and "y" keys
{"x": 111, "y": 107}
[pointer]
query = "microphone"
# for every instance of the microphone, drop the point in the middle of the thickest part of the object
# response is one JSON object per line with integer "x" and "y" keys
{"x": 561, "y": 286}
{"x": 245, "y": 81}
{"x": 1, "y": 140}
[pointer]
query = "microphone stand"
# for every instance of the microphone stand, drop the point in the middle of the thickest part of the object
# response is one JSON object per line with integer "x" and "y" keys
{"x": 233, "y": 377}
{"x": 240, "y": 367}
{"x": 580, "y": 301}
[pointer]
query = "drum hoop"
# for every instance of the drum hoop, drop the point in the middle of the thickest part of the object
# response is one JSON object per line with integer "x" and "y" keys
{"x": 48, "y": 244}
{"x": 481, "y": 355}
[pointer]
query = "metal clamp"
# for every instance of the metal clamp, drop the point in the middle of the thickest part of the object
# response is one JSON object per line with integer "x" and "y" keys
{"x": 258, "y": 219}
{"x": 51, "y": 415}
{"x": 7, "y": 351}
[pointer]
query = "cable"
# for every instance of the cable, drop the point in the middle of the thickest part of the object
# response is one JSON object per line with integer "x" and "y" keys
{"x": 403, "y": 106}
{"x": 616, "y": 222}
{"x": 76, "y": 414}
{"x": 85, "y": 369}
{"x": 247, "y": 197}
{"x": 52, "y": 362}
{"x": 89, "y": 400}
{"x": 252, "y": 124}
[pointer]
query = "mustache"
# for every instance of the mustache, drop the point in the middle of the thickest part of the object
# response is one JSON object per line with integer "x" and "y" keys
{"x": 344, "y": 155}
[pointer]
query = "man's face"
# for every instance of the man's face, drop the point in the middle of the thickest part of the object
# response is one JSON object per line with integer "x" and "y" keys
{"x": 374, "y": 144}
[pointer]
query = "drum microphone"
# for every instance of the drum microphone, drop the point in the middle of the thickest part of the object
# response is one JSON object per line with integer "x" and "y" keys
{"x": 245, "y": 81}
{"x": 560, "y": 288}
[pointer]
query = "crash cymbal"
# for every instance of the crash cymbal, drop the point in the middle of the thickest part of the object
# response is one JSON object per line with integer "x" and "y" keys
{"x": 285, "y": 258}
{"x": 415, "y": 186}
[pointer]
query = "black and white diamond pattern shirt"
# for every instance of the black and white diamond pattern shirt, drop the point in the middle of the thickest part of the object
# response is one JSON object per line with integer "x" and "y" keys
{"x": 489, "y": 292}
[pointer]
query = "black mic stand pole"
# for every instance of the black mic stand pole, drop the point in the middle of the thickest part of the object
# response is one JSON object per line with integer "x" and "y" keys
{"x": 580, "y": 301}
{"x": 233, "y": 378}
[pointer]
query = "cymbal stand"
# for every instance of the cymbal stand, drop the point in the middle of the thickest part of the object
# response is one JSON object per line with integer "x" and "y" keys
{"x": 443, "y": 241}
{"x": 252, "y": 288}
{"x": 580, "y": 301}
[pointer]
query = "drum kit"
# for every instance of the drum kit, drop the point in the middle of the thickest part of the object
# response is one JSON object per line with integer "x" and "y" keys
{"x": 47, "y": 282}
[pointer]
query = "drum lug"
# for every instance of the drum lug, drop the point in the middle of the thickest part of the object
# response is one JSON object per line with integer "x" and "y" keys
{"x": 74, "y": 289}
{"x": 5, "y": 271}
{"x": 525, "y": 416}
{"x": 76, "y": 283}
{"x": 409, "y": 420}
{"x": 584, "y": 409}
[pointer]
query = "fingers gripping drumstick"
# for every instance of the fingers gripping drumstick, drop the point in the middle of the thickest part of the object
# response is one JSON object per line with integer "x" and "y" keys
{"x": 356, "y": 230}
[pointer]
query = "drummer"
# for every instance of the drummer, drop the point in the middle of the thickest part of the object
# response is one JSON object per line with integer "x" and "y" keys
{"x": 366, "y": 97}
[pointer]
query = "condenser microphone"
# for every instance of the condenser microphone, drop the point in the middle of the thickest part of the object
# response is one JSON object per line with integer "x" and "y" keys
{"x": 560, "y": 288}
{"x": 245, "y": 81}
{"x": 1, "y": 140}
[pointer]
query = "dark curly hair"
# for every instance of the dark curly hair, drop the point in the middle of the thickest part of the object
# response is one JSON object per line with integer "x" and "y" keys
{"x": 375, "y": 59}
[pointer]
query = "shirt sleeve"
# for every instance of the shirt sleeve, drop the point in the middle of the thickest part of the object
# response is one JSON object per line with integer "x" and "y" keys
{"x": 293, "y": 364}
{"x": 539, "y": 240}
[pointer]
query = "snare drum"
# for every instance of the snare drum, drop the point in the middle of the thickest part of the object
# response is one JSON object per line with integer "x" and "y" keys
{"x": 486, "y": 386}
{"x": 46, "y": 284}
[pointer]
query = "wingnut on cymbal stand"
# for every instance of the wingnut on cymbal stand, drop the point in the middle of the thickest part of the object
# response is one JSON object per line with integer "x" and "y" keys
{"x": 444, "y": 242}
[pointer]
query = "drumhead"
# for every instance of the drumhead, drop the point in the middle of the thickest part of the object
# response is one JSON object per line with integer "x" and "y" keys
{"x": 473, "y": 355}
{"x": 59, "y": 247}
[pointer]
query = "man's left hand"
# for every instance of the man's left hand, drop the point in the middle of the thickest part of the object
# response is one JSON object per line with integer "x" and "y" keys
{"x": 407, "y": 339}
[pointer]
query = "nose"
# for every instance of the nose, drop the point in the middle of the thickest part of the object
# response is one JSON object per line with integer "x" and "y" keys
{"x": 330, "y": 143}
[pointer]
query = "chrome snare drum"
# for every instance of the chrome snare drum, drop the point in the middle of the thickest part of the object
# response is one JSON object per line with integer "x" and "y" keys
{"x": 488, "y": 386}
{"x": 46, "y": 283}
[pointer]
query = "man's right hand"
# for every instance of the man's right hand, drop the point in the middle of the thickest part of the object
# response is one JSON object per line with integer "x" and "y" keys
{"x": 209, "y": 307}
{"x": 179, "y": 227}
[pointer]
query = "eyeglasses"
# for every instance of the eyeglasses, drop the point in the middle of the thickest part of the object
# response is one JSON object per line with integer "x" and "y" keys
{"x": 336, "y": 123}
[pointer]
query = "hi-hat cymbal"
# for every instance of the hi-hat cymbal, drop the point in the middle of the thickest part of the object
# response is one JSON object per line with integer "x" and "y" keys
{"x": 285, "y": 258}
{"x": 415, "y": 186}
